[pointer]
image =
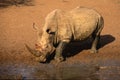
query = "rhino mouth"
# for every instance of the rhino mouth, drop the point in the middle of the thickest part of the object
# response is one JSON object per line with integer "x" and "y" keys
{"x": 41, "y": 59}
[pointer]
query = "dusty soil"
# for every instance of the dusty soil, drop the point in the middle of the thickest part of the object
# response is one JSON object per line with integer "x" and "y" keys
{"x": 16, "y": 30}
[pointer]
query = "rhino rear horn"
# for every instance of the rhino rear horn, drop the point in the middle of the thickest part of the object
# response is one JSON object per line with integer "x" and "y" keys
{"x": 34, "y": 52}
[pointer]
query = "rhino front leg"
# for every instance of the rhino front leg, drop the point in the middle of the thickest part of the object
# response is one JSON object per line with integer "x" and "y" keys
{"x": 59, "y": 51}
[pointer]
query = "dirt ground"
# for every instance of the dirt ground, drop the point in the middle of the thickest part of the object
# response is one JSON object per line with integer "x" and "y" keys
{"x": 16, "y": 30}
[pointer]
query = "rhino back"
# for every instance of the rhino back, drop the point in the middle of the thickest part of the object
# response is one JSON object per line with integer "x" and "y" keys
{"x": 85, "y": 22}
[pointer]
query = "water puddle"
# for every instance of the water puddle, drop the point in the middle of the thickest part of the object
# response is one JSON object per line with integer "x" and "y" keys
{"x": 75, "y": 71}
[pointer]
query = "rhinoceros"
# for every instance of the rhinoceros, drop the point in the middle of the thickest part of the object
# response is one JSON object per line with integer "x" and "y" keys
{"x": 62, "y": 27}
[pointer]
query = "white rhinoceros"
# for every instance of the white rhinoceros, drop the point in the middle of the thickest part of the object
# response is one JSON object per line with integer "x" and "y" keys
{"x": 63, "y": 27}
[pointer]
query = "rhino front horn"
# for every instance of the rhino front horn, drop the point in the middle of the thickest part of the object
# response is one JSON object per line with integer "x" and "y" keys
{"x": 34, "y": 52}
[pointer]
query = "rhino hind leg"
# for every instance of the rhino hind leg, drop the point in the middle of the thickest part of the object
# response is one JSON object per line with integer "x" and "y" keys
{"x": 95, "y": 44}
{"x": 96, "y": 35}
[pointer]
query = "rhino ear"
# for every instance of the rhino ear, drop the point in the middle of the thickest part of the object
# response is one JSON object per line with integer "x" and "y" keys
{"x": 35, "y": 27}
{"x": 52, "y": 26}
{"x": 37, "y": 30}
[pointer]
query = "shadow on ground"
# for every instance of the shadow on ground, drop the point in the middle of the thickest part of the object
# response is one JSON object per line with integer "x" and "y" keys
{"x": 76, "y": 47}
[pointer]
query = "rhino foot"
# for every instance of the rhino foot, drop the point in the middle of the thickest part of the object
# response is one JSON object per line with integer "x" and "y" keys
{"x": 93, "y": 51}
{"x": 59, "y": 59}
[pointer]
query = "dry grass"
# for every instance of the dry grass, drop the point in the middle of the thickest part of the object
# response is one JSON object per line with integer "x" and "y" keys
{"x": 5, "y": 3}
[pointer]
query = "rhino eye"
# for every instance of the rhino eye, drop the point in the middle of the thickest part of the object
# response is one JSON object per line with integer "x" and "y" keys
{"x": 49, "y": 31}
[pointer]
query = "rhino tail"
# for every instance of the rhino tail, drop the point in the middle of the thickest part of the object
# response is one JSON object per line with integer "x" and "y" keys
{"x": 100, "y": 25}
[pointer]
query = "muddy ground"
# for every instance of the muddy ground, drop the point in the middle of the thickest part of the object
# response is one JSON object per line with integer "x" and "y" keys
{"x": 16, "y": 30}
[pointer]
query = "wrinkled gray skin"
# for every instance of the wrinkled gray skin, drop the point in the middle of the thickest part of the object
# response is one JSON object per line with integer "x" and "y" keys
{"x": 63, "y": 27}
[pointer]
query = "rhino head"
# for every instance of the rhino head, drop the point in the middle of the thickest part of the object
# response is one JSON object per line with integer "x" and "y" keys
{"x": 44, "y": 46}
{"x": 46, "y": 42}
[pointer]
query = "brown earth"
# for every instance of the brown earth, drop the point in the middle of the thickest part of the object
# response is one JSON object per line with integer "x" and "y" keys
{"x": 16, "y": 30}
